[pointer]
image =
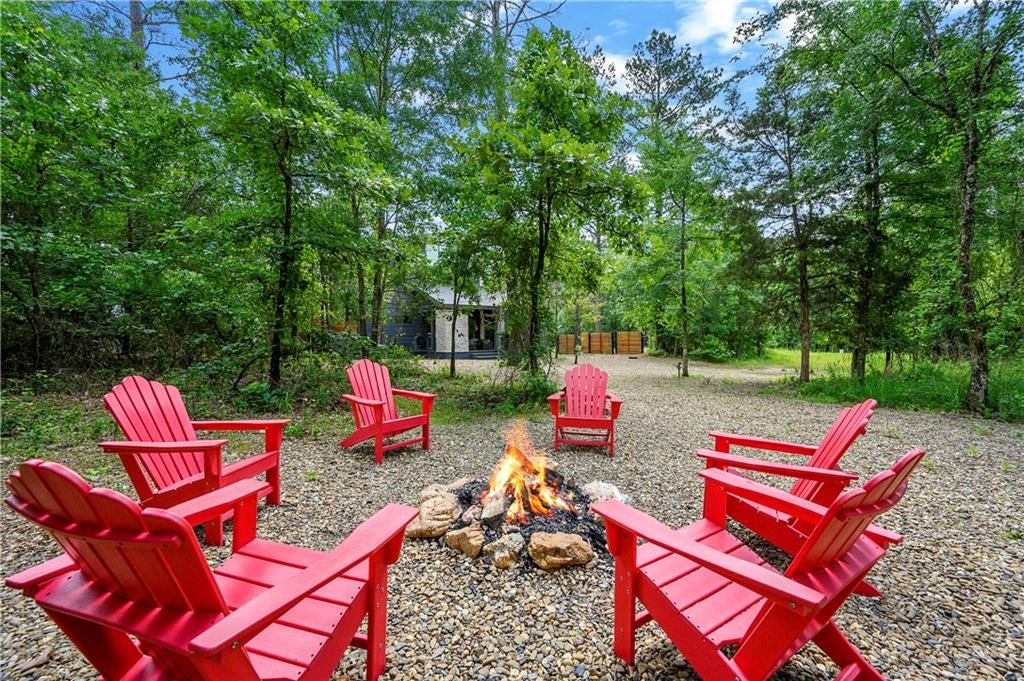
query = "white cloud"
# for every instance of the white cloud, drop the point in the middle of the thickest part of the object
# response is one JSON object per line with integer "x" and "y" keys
{"x": 618, "y": 62}
{"x": 618, "y": 25}
{"x": 704, "y": 20}
{"x": 600, "y": 39}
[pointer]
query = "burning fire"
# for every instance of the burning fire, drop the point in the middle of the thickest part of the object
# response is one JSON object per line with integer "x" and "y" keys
{"x": 521, "y": 475}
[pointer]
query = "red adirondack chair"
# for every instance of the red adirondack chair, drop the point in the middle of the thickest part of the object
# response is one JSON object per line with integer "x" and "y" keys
{"x": 373, "y": 408}
{"x": 134, "y": 593}
{"x": 590, "y": 410}
{"x": 165, "y": 460}
{"x": 818, "y": 480}
{"x": 707, "y": 590}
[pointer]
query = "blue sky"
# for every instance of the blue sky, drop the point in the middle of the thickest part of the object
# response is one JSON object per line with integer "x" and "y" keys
{"x": 707, "y": 26}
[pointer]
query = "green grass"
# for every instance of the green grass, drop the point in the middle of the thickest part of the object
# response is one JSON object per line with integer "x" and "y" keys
{"x": 55, "y": 417}
{"x": 929, "y": 386}
{"x": 820, "y": 361}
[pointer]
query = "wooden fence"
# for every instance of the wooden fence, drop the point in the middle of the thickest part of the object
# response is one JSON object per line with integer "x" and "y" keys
{"x": 621, "y": 342}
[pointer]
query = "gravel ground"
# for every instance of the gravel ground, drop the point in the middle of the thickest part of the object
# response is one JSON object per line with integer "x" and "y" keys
{"x": 955, "y": 587}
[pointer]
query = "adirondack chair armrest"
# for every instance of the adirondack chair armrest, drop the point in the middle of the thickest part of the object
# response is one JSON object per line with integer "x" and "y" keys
{"x": 883, "y": 536}
{"x": 554, "y": 401}
{"x": 245, "y": 424}
{"x": 824, "y": 475}
{"x": 762, "y": 494}
{"x": 210, "y": 505}
{"x": 272, "y": 429}
{"x": 362, "y": 401}
{"x": 132, "y": 447}
{"x": 414, "y": 394}
{"x": 616, "y": 403}
{"x": 377, "y": 533}
{"x": 724, "y": 440}
{"x": 427, "y": 399}
{"x": 622, "y": 518}
{"x": 27, "y": 580}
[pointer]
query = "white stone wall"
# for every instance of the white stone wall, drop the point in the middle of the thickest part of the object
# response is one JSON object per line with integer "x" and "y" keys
{"x": 443, "y": 330}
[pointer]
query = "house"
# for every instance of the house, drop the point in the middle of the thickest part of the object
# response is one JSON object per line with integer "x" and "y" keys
{"x": 425, "y": 328}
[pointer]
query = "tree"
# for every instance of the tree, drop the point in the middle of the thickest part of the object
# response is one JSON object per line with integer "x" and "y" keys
{"x": 551, "y": 162}
{"x": 260, "y": 68}
{"x": 415, "y": 68}
{"x": 971, "y": 65}
{"x": 674, "y": 91}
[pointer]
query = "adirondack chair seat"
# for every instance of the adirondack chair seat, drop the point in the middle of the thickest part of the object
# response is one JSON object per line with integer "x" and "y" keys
{"x": 375, "y": 413}
{"x": 709, "y": 591}
{"x": 135, "y": 594}
{"x": 166, "y": 462}
{"x": 590, "y": 410}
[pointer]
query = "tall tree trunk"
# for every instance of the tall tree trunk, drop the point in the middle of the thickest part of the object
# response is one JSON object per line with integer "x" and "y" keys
{"x": 872, "y": 247}
{"x": 377, "y": 309}
{"x": 455, "y": 319}
{"x": 361, "y": 302}
{"x": 684, "y": 310}
{"x": 977, "y": 394}
{"x": 805, "y": 297}
{"x": 138, "y": 22}
{"x": 283, "y": 278}
{"x": 578, "y": 332}
{"x": 499, "y": 53}
{"x": 537, "y": 277}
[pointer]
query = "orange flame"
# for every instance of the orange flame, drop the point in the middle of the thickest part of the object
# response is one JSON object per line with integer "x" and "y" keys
{"x": 521, "y": 475}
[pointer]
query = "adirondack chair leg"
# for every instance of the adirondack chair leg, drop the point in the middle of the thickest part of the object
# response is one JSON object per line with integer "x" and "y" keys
{"x": 556, "y": 436}
{"x": 215, "y": 531}
{"x": 378, "y": 447}
{"x": 426, "y": 435}
{"x": 624, "y": 644}
{"x": 274, "y": 478}
{"x": 843, "y": 653}
{"x": 611, "y": 441}
{"x": 377, "y": 619}
{"x": 110, "y": 651}
{"x": 274, "y": 438}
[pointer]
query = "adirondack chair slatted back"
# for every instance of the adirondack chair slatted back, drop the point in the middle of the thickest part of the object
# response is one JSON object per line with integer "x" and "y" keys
{"x": 851, "y": 513}
{"x": 372, "y": 381}
{"x": 773, "y": 636}
{"x": 586, "y": 388}
{"x": 145, "y": 557}
{"x": 851, "y": 423}
{"x": 148, "y": 411}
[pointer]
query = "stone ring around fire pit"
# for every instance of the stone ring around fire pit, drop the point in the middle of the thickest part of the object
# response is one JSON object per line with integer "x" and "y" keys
{"x": 527, "y": 503}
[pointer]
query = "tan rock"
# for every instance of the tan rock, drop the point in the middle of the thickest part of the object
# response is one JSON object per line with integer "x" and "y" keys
{"x": 553, "y": 550}
{"x": 437, "y": 514}
{"x": 469, "y": 540}
{"x": 502, "y": 559}
{"x": 494, "y": 511}
{"x": 471, "y": 514}
{"x": 512, "y": 542}
{"x": 432, "y": 491}
{"x": 456, "y": 484}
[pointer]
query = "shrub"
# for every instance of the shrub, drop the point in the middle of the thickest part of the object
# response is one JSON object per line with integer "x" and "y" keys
{"x": 713, "y": 349}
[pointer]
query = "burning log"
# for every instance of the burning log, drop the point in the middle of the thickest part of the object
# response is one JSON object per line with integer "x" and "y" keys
{"x": 522, "y": 477}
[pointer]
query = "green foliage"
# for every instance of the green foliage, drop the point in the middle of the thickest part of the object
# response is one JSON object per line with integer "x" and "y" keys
{"x": 713, "y": 350}
{"x": 926, "y": 386}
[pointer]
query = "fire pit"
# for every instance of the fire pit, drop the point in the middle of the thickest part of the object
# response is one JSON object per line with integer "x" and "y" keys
{"x": 527, "y": 503}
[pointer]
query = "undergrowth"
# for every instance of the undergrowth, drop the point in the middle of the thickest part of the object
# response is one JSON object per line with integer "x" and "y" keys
{"x": 929, "y": 386}
{"x": 45, "y": 413}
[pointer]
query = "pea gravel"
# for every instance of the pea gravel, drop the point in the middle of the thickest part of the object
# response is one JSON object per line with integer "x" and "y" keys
{"x": 954, "y": 607}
